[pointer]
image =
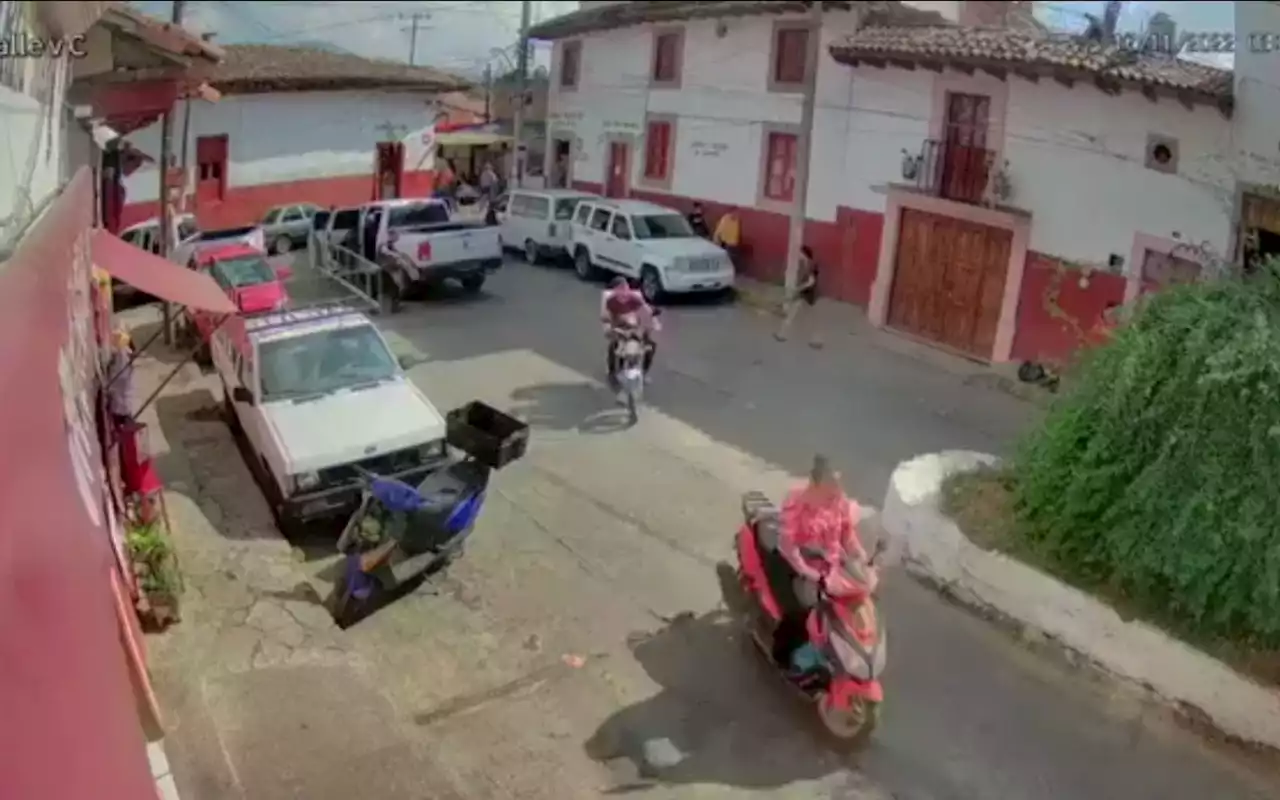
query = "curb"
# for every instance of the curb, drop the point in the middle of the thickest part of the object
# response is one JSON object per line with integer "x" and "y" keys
{"x": 1179, "y": 676}
{"x": 166, "y": 788}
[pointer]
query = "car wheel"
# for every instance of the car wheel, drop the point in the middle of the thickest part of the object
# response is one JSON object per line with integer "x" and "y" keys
{"x": 531, "y": 251}
{"x": 281, "y": 245}
{"x": 472, "y": 283}
{"x": 651, "y": 285}
{"x": 582, "y": 264}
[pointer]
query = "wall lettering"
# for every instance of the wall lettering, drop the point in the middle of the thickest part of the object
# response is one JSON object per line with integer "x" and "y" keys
{"x": 703, "y": 149}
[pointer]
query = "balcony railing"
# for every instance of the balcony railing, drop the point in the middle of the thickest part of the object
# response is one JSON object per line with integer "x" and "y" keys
{"x": 953, "y": 171}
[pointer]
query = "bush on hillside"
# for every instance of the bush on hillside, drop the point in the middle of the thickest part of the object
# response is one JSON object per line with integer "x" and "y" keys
{"x": 1158, "y": 474}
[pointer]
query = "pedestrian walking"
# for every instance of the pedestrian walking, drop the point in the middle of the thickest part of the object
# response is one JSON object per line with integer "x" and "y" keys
{"x": 804, "y": 294}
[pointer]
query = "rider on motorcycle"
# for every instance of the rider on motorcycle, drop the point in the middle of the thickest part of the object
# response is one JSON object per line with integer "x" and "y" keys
{"x": 817, "y": 533}
{"x": 620, "y": 305}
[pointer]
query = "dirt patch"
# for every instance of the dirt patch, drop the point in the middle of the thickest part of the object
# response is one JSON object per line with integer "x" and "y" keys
{"x": 982, "y": 504}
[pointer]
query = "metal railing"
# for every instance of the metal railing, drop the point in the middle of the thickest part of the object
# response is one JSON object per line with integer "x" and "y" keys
{"x": 352, "y": 271}
{"x": 954, "y": 172}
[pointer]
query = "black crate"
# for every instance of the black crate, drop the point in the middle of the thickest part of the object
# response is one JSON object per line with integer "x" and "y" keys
{"x": 486, "y": 434}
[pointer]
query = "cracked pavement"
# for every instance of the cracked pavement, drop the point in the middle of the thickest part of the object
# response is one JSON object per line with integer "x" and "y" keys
{"x": 578, "y": 644}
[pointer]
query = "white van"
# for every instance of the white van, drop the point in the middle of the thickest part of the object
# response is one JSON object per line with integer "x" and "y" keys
{"x": 536, "y": 221}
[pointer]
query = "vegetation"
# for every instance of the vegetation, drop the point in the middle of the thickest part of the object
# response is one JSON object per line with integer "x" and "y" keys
{"x": 1155, "y": 480}
{"x": 153, "y": 560}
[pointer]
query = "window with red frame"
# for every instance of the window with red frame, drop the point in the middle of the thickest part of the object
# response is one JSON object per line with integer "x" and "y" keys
{"x": 780, "y": 163}
{"x": 657, "y": 150}
{"x": 666, "y": 58}
{"x": 570, "y": 62}
{"x": 789, "y": 46}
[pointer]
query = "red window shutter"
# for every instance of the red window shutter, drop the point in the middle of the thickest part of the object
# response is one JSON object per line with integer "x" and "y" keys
{"x": 789, "y": 51}
{"x": 781, "y": 164}
{"x": 657, "y": 145}
{"x": 665, "y": 57}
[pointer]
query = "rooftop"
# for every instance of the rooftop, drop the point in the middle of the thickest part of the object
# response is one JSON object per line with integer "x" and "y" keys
{"x": 262, "y": 68}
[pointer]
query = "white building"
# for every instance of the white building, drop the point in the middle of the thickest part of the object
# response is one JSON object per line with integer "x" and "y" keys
{"x": 297, "y": 124}
{"x": 1257, "y": 129}
{"x": 961, "y": 155}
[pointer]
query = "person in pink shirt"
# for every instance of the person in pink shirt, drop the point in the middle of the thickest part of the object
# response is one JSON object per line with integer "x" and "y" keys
{"x": 619, "y": 302}
{"x": 819, "y": 530}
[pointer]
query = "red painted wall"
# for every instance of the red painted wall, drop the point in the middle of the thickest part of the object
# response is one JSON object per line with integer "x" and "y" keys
{"x": 1040, "y": 336}
{"x": 846, "y": 250}
{"x": 245, "y": 205}
{"x": 69, "y": 725}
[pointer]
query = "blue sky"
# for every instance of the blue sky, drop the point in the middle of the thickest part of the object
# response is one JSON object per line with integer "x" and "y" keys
{"x": 463, "y": 36}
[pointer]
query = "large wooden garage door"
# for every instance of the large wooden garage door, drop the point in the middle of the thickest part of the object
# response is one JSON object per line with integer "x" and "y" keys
{"x": 948, "y": 283}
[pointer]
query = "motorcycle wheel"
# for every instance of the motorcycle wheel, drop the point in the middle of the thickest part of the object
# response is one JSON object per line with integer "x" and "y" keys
{"x": 853, "y": 725}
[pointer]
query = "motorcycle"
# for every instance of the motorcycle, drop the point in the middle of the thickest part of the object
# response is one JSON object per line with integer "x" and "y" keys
{"x": 400, "y": 534}
{"x": 838, "y": 665}
{"x": 629, "y": 349}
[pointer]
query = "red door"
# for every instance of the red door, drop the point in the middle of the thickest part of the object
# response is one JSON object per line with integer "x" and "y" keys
{"x": 964, "y": 147}
{"x": 389, "y": 172}
{"x": 211, "y": 169}
{"x": 619, "y": 162}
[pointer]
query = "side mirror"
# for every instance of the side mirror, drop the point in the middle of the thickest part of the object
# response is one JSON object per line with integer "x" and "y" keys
{"x": 242, "y": 395}
{"x": 405, "y": 362}
{"x": 284, "y": 272}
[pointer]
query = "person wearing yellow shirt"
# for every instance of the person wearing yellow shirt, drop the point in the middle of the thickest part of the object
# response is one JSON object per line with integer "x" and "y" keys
{"x": 728, "y": 233}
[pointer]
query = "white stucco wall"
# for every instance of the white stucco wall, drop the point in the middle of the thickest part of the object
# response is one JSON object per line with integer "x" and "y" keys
{"x": 286, "y": 137}
{"x": 32, "y": 143}
{"x": 1256, "y": 122}
{"x": 1076, "y": 155}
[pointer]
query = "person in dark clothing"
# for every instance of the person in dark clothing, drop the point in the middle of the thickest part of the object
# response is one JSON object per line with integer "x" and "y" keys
{"x": 698, "y": 221}
{"x": 804, "y": 294}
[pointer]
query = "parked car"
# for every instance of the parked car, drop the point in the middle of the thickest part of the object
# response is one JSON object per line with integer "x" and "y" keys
{"x": 319, "y": 396}
{"x": 538, "y": 221}
{"x": 648, "y": 242}
{"x": 188, "y": 239}
{"x": 252, "y": 283}
{"x": 418, "y": 245}
{"x": 287, "y": 227}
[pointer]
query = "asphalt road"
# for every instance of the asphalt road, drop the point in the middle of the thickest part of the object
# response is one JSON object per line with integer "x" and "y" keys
{"x": 581, "y": 631}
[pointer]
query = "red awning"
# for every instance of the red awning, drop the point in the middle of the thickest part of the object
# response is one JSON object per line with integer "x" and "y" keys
{"x": 158, "y": 276}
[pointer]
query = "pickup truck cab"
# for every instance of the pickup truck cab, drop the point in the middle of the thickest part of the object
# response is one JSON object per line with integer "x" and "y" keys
{"x": 188, "y": 240}
{"x": 648, "y": 242}
{"x": 418, "y": 244}
{"x": 317, "y": 392}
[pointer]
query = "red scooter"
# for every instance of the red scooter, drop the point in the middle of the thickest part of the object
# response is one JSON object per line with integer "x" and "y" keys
{"x": 839, "y": 659}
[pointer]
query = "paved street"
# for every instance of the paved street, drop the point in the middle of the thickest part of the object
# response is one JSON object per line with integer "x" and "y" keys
{"x": 581, "y": 630}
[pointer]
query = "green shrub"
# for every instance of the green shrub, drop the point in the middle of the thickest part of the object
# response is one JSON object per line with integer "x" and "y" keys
{"x": 1158, "y": 473}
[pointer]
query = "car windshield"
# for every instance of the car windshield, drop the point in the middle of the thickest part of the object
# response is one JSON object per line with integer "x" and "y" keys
{"x": 565, "y": 207}
{"x": 324, "y": 361}
{"x": 246, "y": 271}
{"x": 661, "y": 226}
{"x": 417, "y": 214}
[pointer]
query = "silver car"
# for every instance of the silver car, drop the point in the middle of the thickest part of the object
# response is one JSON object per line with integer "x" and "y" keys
{"x": 287, "y": 227}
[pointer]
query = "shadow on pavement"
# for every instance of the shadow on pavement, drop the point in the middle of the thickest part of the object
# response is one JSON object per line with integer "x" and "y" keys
{"x": 581, "y": 407}
{"x": 718, "y": 718}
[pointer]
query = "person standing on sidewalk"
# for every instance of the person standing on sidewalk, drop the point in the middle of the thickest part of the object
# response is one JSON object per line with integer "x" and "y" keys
{"x": 805, "y": 294}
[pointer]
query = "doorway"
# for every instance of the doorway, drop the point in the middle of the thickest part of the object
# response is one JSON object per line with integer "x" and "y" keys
{"x": 389, "y": 171}
{"x": 561, "y": 166}
{"x": 1259, "y": 230}
{"x": 617, "y": 169}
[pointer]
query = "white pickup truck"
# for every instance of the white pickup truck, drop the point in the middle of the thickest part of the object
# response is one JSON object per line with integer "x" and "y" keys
{"x": 317, "y": 392}
{"x": 188, "y": 240}
{"x": 418, "y": 245}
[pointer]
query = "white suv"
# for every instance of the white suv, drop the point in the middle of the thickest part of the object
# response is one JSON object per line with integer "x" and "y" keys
{"x": 650, "y": 242}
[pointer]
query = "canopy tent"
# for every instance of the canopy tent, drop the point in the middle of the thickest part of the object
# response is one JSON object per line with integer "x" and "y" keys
{"x": 158, "y": 276}
{"x": 471, "y": 139}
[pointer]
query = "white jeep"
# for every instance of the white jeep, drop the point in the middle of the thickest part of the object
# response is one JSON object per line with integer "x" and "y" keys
{"x": 650, "y": 242}
{"x": 317, "y": 393}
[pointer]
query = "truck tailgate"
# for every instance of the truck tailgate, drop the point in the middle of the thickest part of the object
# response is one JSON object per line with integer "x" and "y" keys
{"x": 448, "y": 247}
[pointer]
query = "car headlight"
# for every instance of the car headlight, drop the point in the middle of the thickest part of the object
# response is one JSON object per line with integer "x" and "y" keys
{"x": 432, "y": 451}
{"x": 306, "y": 480}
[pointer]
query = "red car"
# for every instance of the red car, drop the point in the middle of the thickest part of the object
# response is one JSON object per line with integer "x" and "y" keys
{"x": 247, "y": 277}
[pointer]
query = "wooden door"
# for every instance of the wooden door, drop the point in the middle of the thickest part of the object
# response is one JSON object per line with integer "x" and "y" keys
{"x": 948, "y": 282}
{"x": 964, "y": 146}
{"x": 619, "y": 163}
{"x": 388, "y": 171}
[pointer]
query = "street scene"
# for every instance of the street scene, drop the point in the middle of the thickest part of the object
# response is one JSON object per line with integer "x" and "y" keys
{"x": 864, "y": 401}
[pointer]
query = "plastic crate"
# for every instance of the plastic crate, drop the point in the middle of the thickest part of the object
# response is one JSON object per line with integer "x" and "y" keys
{"x": 486, "y": 434}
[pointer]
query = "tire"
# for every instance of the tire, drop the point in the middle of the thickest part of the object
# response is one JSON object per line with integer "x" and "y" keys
{"x": 281, "y": 245}
{"x": 582, "y": 265}
{"x": 1030, "y": 372}
{"x": 852, "y": 727}
{"x": 531, "y": 251}
{"x": 472, "y": 283}
{"x": 651, "y": 285}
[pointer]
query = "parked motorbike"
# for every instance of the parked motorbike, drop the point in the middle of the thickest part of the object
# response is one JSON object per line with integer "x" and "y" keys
{"x": 629, "y": 349}
{"x": 400, "y": 535}
{"x": 838, "y": 666}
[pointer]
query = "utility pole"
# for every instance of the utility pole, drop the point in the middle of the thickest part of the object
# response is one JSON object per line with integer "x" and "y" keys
{"x": 522, "y": 90}
{"x": 795, "y": 234}
{"x": 488, "y": 92}
{"x": 412, "y": 30}
{"x": 166, "y": 206}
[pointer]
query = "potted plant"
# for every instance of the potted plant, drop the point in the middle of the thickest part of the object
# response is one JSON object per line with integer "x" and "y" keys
{"x": 156, "y": 566}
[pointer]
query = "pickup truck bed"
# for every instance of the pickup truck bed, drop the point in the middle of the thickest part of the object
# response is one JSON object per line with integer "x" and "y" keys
{"x": 464, "y": 251}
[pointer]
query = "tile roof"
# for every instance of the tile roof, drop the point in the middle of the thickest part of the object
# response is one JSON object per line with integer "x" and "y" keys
{"x": 621, "y": 15}
{"x": 1040, "y": 53}
{"x": 260, "y": 68}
